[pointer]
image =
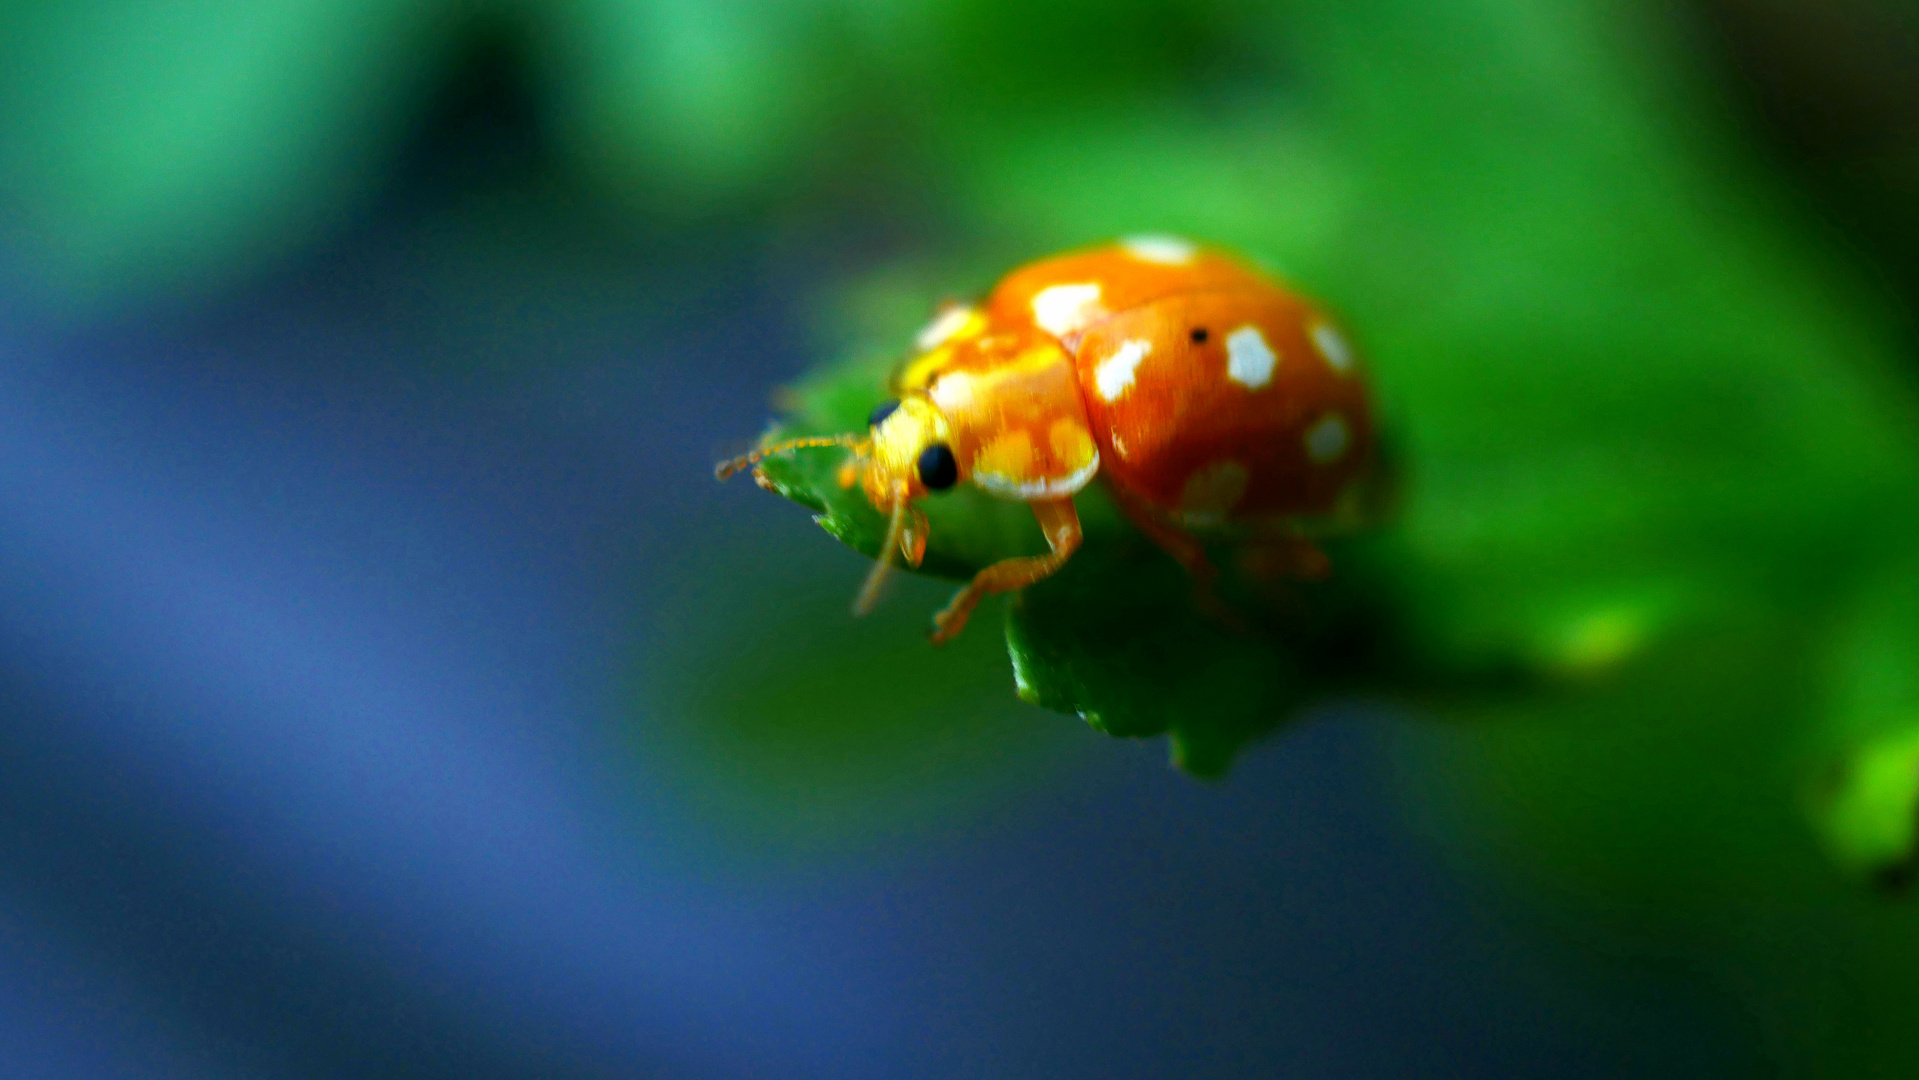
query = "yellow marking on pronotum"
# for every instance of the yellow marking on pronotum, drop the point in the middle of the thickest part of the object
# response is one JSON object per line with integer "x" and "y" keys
{"x": 1010, "y": 455}
{"x": 1072, "y": 445}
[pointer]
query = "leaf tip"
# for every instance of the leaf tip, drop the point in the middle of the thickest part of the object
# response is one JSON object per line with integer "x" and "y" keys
{"x": 1199, "y": 757}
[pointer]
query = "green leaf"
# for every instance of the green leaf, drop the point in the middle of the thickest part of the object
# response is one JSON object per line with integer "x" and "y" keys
{"x": 1115, "y": 638}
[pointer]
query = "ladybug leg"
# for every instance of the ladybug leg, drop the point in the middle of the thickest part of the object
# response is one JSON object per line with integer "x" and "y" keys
{"x": 1185, "y": 550}
{"x": 1170, "y": 538}
{"x": 1060, "y": 522}
{"x": 1284, "y": 554}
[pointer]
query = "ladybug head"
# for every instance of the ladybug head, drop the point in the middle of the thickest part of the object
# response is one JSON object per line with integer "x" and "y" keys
{"x": 904, "y": 455}
{"x": 909, "y": 453}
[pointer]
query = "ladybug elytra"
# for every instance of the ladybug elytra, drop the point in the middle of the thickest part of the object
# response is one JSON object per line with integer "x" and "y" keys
{"x": 1207, "y": 395}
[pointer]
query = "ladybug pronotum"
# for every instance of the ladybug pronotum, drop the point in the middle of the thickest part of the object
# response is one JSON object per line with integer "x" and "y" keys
{"x": 1210, "y": 398}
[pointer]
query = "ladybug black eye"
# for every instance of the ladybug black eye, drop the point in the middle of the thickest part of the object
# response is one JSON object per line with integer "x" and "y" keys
{"x": 1199, "y": 335}
{"x": 938, "y": 470}
{"x": 881, "y": 411}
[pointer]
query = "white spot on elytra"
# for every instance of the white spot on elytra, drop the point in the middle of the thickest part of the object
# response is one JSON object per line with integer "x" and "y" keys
{"x": 1249, "y": 360}
{"x": 1333, "y": 346}
{"x": 1058, "y": 309}
{"x": 1158, "y": 248}
{"x": 1327, "y": 439}
{"x": 943, "y": 327}
{"x": 1212, "y": 492}
{"x": 1114, "y": 375}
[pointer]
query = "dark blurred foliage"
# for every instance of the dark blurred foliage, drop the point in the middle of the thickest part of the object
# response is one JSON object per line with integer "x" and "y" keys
{"x": 386, "y": 691}
{"x": 1834, "y": 90}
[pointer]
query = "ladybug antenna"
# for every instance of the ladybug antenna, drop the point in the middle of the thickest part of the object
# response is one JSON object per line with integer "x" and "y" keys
{"x": 895, "y": 541}
{"x": 727, "y": 468}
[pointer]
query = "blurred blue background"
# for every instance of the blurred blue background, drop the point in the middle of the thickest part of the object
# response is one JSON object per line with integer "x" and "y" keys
{"x": 387, "y": 690}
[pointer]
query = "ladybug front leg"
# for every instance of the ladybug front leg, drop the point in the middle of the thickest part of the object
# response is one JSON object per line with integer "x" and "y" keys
{"x": 1060, "y": 522}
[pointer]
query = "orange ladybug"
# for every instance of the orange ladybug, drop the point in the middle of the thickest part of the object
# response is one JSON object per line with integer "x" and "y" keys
{"x": 1212, "y": 399}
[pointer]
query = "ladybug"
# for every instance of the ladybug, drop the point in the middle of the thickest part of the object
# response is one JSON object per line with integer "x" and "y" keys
{"x": 1212, "y": 400}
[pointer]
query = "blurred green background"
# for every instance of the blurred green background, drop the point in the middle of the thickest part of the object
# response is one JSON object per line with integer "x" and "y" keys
{"x": 388, "y": 340}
